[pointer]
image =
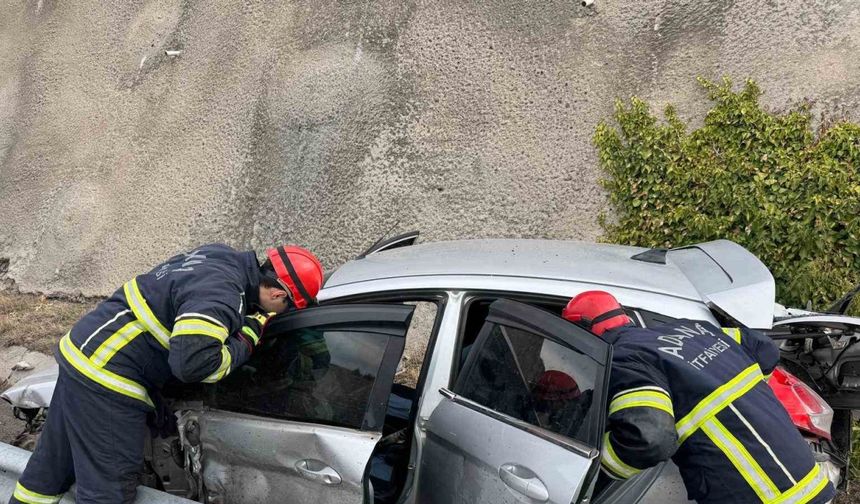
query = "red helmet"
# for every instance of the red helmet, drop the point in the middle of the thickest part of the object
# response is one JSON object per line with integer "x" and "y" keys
{"x": 556, "y": 385}
{"x": 298, "y": 271}
{"x": 597, "y": 311}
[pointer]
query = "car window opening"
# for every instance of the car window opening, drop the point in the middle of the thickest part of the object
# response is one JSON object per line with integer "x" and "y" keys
{"x": 530, "y": 378}
{"x": 526, "y": 376}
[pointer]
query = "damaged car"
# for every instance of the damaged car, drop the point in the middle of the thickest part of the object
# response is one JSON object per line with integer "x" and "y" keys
{"x": 418, "y": 379}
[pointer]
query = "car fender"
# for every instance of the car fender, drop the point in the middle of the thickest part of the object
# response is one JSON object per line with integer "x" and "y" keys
{"x": 34, "y": 391}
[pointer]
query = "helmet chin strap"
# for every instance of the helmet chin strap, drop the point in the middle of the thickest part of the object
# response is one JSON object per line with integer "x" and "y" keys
{"x": 288, "y": 301}
{"x": 606, "y": 316}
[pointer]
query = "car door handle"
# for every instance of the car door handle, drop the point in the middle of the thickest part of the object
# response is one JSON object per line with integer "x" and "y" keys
{"x": 318, "y": 471}
{"x": 522, "y": 480}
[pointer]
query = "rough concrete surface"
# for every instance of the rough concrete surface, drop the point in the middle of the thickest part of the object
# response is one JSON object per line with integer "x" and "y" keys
{"x": 10, "y": 426}
{"x": 11, "y": 358}
{"x": 326, "y": 122}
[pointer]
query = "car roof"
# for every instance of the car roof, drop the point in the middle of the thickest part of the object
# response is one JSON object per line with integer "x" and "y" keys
{"x": 582, "y": 262}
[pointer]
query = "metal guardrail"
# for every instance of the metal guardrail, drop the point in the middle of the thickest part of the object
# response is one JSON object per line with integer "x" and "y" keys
{"x": 12, "y": 463}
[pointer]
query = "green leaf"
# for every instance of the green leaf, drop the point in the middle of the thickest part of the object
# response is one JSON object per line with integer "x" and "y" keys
{"x": 767, "y": 180}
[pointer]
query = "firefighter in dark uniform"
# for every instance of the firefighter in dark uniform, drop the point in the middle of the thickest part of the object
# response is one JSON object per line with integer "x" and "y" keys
{"x": 697, "y": 393}
{"x": 197, "y": 317}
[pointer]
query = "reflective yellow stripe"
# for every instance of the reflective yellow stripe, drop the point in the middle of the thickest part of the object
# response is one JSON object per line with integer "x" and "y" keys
{"x": 31, "y": 497}
{"x": 717, "y": 400}
{"x": 200, "y": 316}
{"x": 652, "y": 388}
{"x": 734, "y": 332}
{"x": 115, "y": 343}
{"x": 611, "y": 461}
{"x": 194, "y": 326}
{"x": 251, "y": 334}
{"x": 223, "y": 369}
{"x": 741, "y": 459}
{"x": 261, "y": 318}
{"x": 102, "y": 376}
{"x": 642, "y": 399}
{"x": 144, "y": 314}
{"x": 806, "y": 489}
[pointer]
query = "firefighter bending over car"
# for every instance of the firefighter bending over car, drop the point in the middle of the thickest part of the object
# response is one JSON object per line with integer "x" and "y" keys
{"x": 197, "y": 317}
{"x": 697, "y": 393}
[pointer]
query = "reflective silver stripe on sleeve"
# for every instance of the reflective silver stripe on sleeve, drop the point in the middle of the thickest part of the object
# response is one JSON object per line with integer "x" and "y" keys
{"x": 642, "y": 399}
{"x": 637, "y": 389}
{"x": 199, "y": 327}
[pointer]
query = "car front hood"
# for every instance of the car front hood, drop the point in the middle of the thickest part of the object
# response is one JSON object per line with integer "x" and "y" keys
{"x": 34, "y": 391}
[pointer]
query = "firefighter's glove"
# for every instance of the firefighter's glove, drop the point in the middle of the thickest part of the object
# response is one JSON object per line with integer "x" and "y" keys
{"x": 255, "y": 325}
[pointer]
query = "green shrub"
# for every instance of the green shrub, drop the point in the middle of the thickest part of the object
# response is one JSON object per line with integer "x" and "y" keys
{"x": 854, "y": 459}
{"x": 762, "y": 179}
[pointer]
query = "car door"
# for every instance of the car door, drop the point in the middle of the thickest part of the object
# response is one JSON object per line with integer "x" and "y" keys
{"x": 524, "y": 418}
{"x": 299, "y": 421}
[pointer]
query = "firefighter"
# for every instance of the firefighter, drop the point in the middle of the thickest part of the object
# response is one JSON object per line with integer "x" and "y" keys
{"x": 559, "y": 404}
{"x": 697, "y": 393}
{"x": 197, "y": 317}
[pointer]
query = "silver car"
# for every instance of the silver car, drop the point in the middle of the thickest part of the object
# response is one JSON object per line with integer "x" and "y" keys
{"x": 423, "y": 377}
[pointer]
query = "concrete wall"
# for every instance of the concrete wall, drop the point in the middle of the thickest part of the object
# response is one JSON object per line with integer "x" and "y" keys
{"x": 326, "y": 122}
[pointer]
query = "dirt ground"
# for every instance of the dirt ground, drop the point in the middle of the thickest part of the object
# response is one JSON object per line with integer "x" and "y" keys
{"x": 37, "y": 322}
{"x": 852, "y": 496}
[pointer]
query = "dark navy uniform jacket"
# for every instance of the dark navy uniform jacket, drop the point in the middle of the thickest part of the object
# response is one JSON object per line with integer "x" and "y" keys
{"x": 693, "y": 392}
{"x": 180, "y": 319}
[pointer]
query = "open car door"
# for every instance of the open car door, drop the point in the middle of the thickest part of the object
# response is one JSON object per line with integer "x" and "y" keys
{"x": 299, "y": 421}
{"x": 523, "y": 422}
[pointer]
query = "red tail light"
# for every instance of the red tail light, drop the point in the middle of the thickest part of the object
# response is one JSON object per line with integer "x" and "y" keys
{"x": 808, "y": 411}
